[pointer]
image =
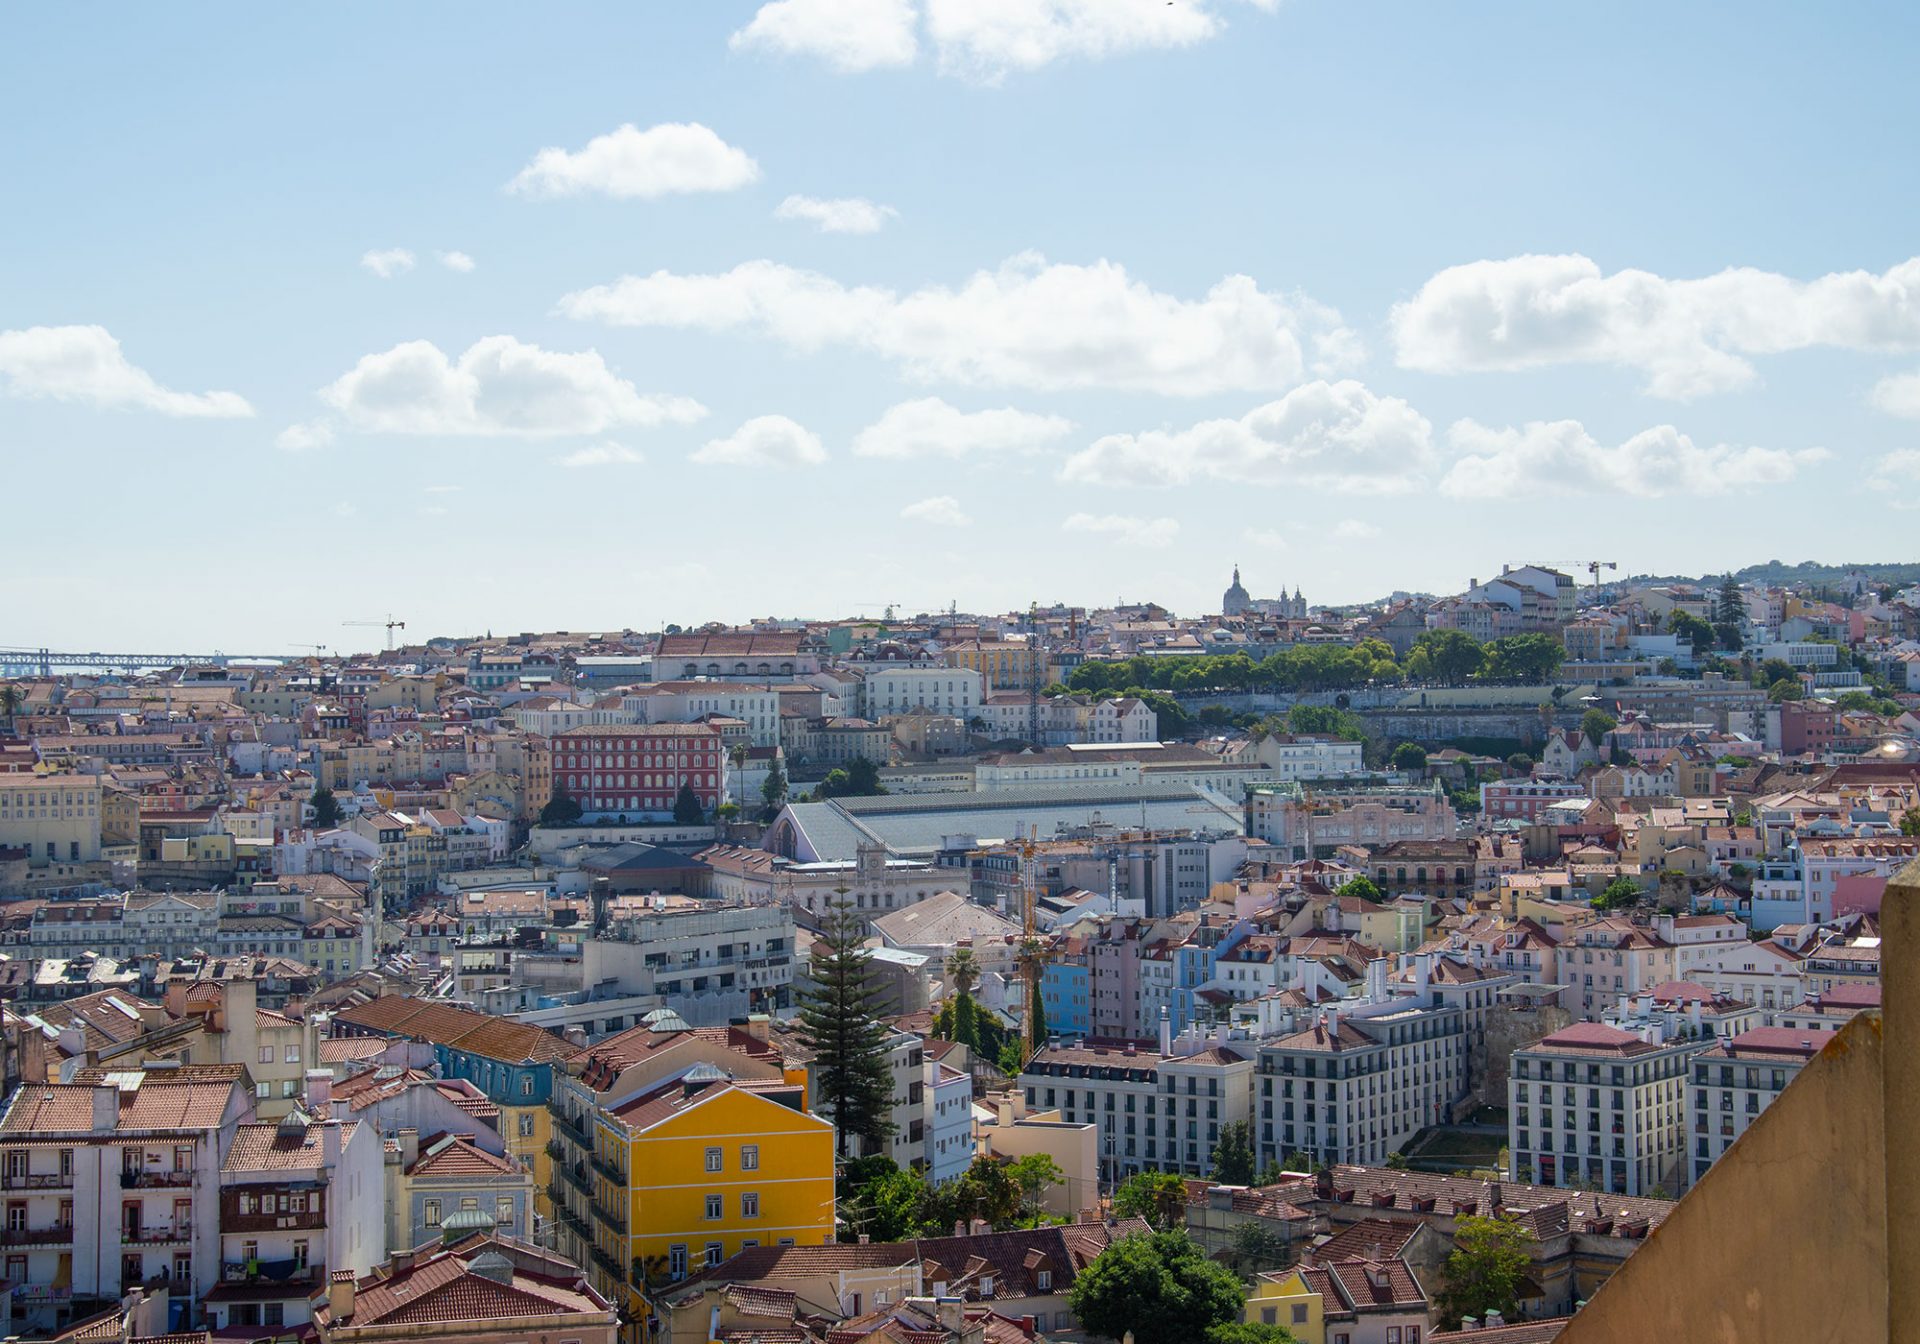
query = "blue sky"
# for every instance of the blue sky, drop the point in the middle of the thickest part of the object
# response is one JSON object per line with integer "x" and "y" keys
{"x": 1062, "y": 212}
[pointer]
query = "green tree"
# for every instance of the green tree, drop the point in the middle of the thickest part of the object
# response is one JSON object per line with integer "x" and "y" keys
{"x": 562, "y": 809}
{"x": 963, "y": 970}
{"x": 1620, "y": 893}
{"x": 326, "y": 809}
{"x": 1910, "y": 821}
{"x": 1233, "y": 1154}
{"x": 1363, "y": 887}
{"x": 1249, "y": 1332}
{"x": 1012, "y": 1058}
{"x": 1326, "y": 720}
{"x": 1787, "y": 688}
{"x": 1410, "y": 757}
{"x": 1037, "y": 1010}
{"x": 852, "y": 1079}
{"x": 1453, "y": 655}
{"x": 1696, "y": 633}
{"x": 1034, "y": 1175}
{"x": 773, "y": 792}
{"x": 1255, "y": 1247}
{"x": 1158, "y": 1196}
{"x": 1596, "y": 724}
{"x": 1524, "y": 658}
{"x": 686, "y": 807}
{"x": 1520, "y": 763}
{"x": 859, "y": 778}
{"x": 1490, "y": 1258}
{"x": 1729, "y": 608}
{"x": 1161, "y": 1286}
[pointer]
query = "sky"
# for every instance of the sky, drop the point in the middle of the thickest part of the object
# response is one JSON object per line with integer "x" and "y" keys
{"x": 497, "y": 317}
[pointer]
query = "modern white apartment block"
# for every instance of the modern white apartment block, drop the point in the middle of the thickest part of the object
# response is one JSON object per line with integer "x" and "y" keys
{"x": 1737, "y": 1080}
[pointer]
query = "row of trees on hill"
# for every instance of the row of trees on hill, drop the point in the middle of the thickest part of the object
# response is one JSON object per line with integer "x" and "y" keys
{"x": 1446, "y": 657}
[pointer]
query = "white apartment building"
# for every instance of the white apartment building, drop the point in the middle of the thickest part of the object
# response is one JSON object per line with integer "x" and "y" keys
{"x": 1594, "y": 1105}
{"x": 948, "y": 1148}
{"x": 1291, "y": 756}
{"x": 756, "y": 705}
{"x": 1154, "y": 1112}
{"x": 1737, "y": 1080}
{"x": 1357, "y": 1083}
{"x": 109, "y": 1184}
{"x": 709, "y": 964}
{"x": 898, "y": 690}
{"x": 1312, "y": 823}
{"x": 1607, "y": 960}
{"x": 1697, "y": 940}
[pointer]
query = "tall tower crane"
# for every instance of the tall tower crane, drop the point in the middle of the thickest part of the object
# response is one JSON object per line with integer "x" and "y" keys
{"x": 389, "y": 623}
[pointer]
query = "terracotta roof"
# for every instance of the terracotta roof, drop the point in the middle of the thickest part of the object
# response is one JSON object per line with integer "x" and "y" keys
{"x": 458, "y": 1029}
{"x": 445, "y": 1288}
{"x": 663, "y": 1103}
{"x": 458, "y": 1155}
{"x": 1595, "y": 1037}
{"x": 279, "y": 1147}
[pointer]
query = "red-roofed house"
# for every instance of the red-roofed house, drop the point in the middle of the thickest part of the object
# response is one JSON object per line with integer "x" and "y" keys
{"x": 483, "y": 1290}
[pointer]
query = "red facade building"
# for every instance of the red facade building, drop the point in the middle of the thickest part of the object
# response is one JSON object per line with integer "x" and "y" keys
{"x": 637, "y": 768}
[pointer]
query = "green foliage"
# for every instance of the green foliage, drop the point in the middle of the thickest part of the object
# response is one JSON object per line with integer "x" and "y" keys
{"x": 1522, "y": 658}
{"x": 1772, "y": 670}
{"x": 987, "y": 1190}
{"x": 1452, "y": 655}
{"x": 561, "y": 810}
{"x": 773, "y": 792}
{"x": 1037, "y": 1011}
{"x": 1787, "y": 688}
{"x": 1271, "y": 1174}
{"x": 1910, "y": 821}
{"x": 326, "y": 809}
{"x": 1596, "y": 724}
{"x": 686, "y": 807}
{"x": 1034, "y": 1175}
{"x": 860, "y": 778}
{"x": 888, "y": 1207}
{"x": 1255, "y": 1247}
{"x": 1868, "y": 702}
{"x": 1161, "y": 1286}
{"x": 1158, "y": 1196}
{"x": 1363, "y": 887}
{"x": 1728, "y": 606}
{"x": 1249, "y": 1332}
{"x": 1012, "y": 1057}
{"x": 1520, "y": 763}
{"x": 1620, "y": 893}
{"x": 838, "y": 1023}
{"x": 1328, "y": 721}
{"x": 1233, "y": 1154}
{"x": 1490, "y": 1258}
{"x": 1397, "y": 1160}
{"x": 1698, "y": 633}
{"x": 1410, "y": 757}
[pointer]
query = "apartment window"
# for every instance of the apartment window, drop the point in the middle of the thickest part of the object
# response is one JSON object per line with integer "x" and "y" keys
{"x": 266, "y": 1054}
{"x": 750, "y": 1204}
{"x": 677, "y": 1261}
{"x": 1043, "y": 1280}
{"x": 713, "y": 1159}
{"x": 526, "y": 1126}
{"x": 1299, "y": 1313}
{"x": 503, "y": 1211}
{"x": 526, "y": 1085}
{"x": 716, "y": 1207}
{"x": 750, "y": 1157}
{"x": 301, "y": 1250}
{"x": 293, "y": 1054}
{"x": 433, "y": 1213}
{"x": 713, "y": 1254}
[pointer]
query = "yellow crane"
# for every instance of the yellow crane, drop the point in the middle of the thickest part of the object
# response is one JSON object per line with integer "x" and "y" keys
{"x": 390, "y": 624}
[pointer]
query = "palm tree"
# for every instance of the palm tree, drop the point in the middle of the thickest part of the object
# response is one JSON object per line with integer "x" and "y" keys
{"x": 11, "y": 697}
{"x": 963, "y": 970}
{"x": 738, "y": 755}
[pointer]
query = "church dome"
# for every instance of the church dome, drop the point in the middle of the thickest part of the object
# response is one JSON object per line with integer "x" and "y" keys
{"x": 1235, "y": 601}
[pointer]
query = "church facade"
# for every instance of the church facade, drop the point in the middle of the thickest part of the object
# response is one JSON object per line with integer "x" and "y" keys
{"x": 1235, "y": 602}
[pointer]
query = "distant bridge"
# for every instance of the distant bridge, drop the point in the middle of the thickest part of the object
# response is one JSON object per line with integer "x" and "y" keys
{"x": 46, "y": 662}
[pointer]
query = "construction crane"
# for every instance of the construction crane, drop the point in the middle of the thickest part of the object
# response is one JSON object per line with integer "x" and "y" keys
{"x": 389, "y": 623}
{"x": 1593, "y": 568}
{"x": 1032, "y": 957}
{"x": 315, "y": 649}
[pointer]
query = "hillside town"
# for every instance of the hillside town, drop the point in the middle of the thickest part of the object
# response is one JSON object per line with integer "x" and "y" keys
{"x": 1389, "y": 972}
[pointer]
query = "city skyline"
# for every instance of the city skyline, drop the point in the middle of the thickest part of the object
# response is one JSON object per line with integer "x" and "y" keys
{"x": 726, "y": 312}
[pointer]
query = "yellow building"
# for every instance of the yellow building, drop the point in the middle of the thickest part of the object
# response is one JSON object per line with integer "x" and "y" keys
{"x": 697, "y": 1169}
{"x": 1284, "y": 1298}
{"x": 1003, "y": 664}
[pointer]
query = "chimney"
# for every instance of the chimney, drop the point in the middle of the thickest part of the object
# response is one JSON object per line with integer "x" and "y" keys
{"x": 319, "y": 1092}
{"x": 759, "y": 1026}
{"x": 409, "y": 1146}
{"x": 106, "y": 1107}
{"x": 980, "y": 1228}
{"x": 1495, "y": 1320}
{"x": 953, "y": 1313}
{"x": 330, "y": 1145}
{"x": 1166, "y": 1032}
{"x": 340, "y": 1295}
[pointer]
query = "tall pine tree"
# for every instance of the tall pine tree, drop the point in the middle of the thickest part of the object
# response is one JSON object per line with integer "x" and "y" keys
{"x": 851, "y": 1078}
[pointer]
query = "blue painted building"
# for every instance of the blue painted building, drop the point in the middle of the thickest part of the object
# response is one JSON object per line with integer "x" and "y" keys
{"x": 1066, "y": 992}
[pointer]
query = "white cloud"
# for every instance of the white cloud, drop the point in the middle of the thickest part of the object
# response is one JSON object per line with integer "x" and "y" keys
{"x": 984, "y": 40}
{"x": 1562, "y": 458}
{"x": 849, "y": 35}
{"x": 1267, "y": 538}
{"x": 765, "y": 441}
{"x": 604, "y": 455}
{"x": 440, "y": 490}
{"x": 1688, "y": 336}
{"x": 387, "y": 262}
{"x": 849, "y": 214}
{"x": 1125, "y": 530}
{"x": 939, "y": 511}
{"x": 1028, "y": 324}
{"x": 1333, "y": 436}
{"x": 344, "y": 510}
{"x": 1899, "y": 394}
{"x": 673, "y": 158}
{"x": 86, "y": 364}
{"x": 456, "y": 261}
{"x": 433, "y": 510}
{"x": 303, "y": 438}
{"x": 498, "y": 386}
{"x": 1354, "y": 529}
{"x": 929, "y": 427}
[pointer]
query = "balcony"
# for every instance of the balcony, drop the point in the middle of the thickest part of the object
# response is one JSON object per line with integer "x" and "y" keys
{"x": 57, "y": 1235}
{"x": 575, "y": 1174}
{"x": 158, "y": 1234}
{"x": 608, "y": 1265}
{"x": 154, "y": 1180}
{"x": 37, "y": 1180}
{"x": 41, "y": 1295}
{"x": 575, "y": 1223}
{"x": 568, "y": 1130}
{"x": 608, "y": 1170}
{"x": 610, "y": 1218}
